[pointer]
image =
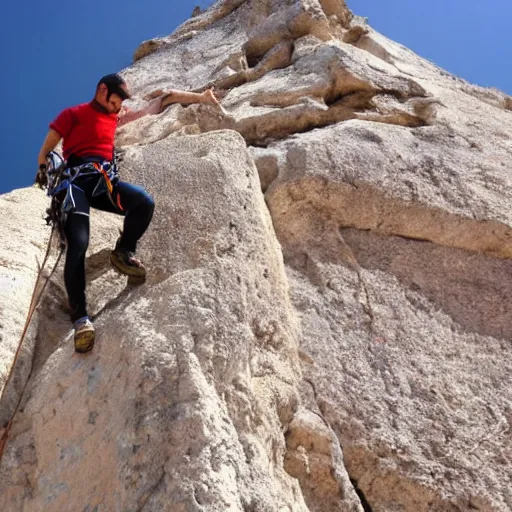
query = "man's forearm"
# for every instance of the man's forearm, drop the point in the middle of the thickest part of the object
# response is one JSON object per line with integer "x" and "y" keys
{"x": 164, "y": 99}
{"x": 127, "y": 115}
{"x": 184, "y": 97}
{"x": 51, "y": 140}
{"x": 187, "y": 98}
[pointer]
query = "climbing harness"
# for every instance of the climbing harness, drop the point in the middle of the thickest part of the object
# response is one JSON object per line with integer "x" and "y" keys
{"x": 63, "y": 190}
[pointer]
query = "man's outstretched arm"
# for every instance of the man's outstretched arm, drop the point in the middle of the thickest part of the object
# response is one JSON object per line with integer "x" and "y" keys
{"x": 127, "y": 116}
{"x": 187, "y": 98}
{"x": 164, "y": 99}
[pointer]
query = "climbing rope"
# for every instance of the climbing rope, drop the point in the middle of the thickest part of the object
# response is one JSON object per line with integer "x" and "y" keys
{"x": 34, "y": 304}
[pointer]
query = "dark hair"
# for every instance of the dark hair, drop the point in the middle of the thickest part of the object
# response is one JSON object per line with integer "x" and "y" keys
{"x": 114, "y": 84}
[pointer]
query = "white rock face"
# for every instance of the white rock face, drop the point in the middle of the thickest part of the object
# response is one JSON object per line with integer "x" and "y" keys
{"x": 22, "y": 244}
{"x": 184, "y": 399}
{"x": 23, "y": 240}
{"x": 335, "y": 336}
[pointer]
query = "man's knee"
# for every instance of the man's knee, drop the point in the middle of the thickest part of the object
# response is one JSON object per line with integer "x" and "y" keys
{"x": 146, "y": 201}
{"x": 135, "y": 197}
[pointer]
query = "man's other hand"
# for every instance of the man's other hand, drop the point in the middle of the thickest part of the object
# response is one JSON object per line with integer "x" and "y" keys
{"x": 41, "y": 179}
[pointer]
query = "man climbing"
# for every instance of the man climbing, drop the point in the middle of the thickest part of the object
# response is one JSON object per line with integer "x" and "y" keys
{"x": 88, "y": 132}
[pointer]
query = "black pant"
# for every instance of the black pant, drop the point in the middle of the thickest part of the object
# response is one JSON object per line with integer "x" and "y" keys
{"x": 138, "y": 210}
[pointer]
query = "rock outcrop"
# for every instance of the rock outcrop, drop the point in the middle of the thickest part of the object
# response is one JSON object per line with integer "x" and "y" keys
{"x": 333, "y": 336}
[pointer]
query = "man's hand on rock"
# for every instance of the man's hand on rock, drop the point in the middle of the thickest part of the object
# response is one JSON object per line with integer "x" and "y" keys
{"x": 209, "y": 97}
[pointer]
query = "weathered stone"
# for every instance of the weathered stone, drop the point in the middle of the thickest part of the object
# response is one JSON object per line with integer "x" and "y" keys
{"x": 23, "y": 241}
{"x": 315, "y": 459}
{"x": 147, "y": 48}
{"x": 387, "y": 185}
{"x": 168, "y": 412}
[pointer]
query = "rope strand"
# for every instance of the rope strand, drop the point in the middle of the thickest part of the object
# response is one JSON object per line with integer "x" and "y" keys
{"x": 35, "y": 301}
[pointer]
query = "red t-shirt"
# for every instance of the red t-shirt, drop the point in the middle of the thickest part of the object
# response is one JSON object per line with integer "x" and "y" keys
{"x": 86, "y": 131}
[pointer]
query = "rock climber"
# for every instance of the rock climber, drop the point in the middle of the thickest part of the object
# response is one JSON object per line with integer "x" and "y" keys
{"x": 88, "y": 132}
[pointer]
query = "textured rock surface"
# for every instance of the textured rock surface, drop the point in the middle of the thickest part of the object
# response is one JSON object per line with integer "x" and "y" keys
{"x": 182, "y": 404}
{"x": 23, "y": 240}
{"x": 22, "y": 246}
{"x": 385, "y": 383}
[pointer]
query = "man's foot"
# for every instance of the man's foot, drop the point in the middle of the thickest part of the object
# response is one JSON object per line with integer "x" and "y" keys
{"x": 127, "y": 263}
{"x": 84, "y": 335}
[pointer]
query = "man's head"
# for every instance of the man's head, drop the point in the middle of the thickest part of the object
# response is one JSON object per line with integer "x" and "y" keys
{"x": 111, "y": 91}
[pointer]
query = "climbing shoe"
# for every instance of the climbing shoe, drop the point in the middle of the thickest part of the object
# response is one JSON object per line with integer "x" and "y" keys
{"x": 84, "y": 335}
{"x": 127, "y": 263}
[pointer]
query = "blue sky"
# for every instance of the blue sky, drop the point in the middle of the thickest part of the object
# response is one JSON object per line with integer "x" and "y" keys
{"x": 55, "y": 51}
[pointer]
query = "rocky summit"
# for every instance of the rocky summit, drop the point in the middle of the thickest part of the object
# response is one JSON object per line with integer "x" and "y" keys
{"x": 327, "y": 321}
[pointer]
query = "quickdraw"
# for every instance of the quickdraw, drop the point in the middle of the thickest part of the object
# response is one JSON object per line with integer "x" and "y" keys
{"x": 55, "y": 167}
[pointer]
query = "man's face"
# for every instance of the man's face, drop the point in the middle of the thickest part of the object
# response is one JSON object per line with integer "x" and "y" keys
{"x": 112, "y": 103}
